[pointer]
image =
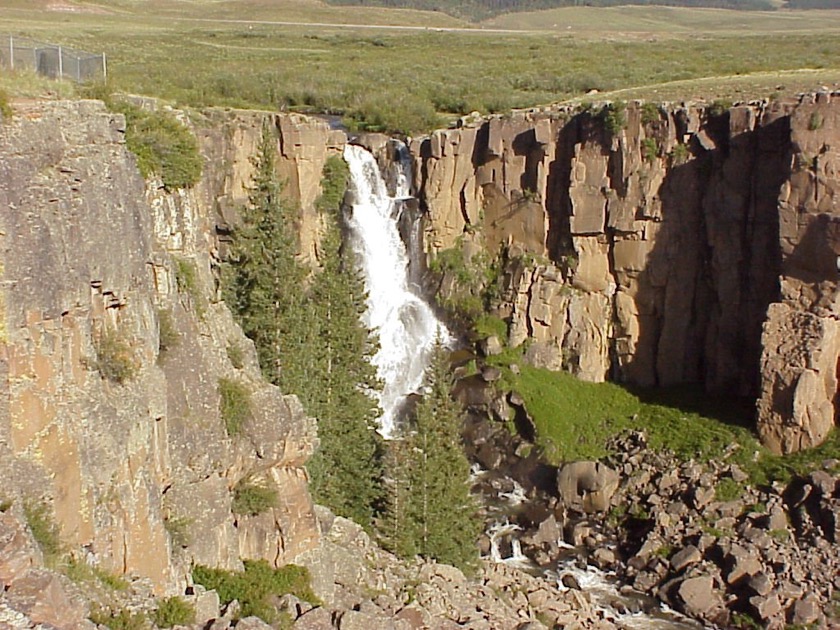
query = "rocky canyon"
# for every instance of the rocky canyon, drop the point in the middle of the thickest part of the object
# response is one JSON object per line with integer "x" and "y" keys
{"x": 645, "y": 244}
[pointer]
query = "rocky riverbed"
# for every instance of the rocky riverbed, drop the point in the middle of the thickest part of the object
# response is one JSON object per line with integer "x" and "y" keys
{"x": 693, "y": 535}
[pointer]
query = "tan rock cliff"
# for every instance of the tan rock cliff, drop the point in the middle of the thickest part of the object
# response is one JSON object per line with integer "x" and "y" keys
{"x": 140, "y": 474}
{"x": 651, "y": 252}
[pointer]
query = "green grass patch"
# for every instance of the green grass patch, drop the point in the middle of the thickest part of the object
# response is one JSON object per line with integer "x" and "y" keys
{"x": 234, "y": 405}
{"x": 254, "y": 587}
{"x": 575, "y": 420}
{"x": 186, "y": 279}
{"x": 168, "y": 334}
{"x": 115, "y": 358}
{"x": 178, "y": 529}
{"x": 44, "y": 530}
{"x": 81, "y": 572}
{"x": 251, "y": 499}
{"x": 117, "y": 618}
{"x": 489, "y": 325}
{"x": 236, "y": 355}
{"x": 728, "y": 490}
{"x": 173, "y": 611}
{"x": 5, "y": 107}
{"x": 163, "y": 146}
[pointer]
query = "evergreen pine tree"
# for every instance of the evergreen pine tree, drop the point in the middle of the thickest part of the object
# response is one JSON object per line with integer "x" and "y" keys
{"x": 436, "y": 517}
{"x": 311, "y": 342}
{"x": 346, "y": 471}
{"x": 263, "y": 284}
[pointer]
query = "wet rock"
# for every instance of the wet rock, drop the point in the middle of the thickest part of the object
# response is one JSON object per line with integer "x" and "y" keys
{"x": 604, "y": 558}
{"x": 570, "y": 581}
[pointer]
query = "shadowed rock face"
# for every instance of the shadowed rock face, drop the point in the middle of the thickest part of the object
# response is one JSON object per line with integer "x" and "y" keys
{"x": 651, "y": 254}
{"x": 139, "y": 473}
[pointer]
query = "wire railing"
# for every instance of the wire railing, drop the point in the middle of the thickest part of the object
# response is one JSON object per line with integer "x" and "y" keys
{"x": 51, "y": 60}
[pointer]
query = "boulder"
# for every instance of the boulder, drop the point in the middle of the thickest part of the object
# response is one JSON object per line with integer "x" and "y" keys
{"x": 315, "y": 619}
{"x": 806, "y": 610}
{"x": 686, "y": 557}
{"x": 587, "y": 486}
{"x": 698, "y": 596}
{"x": 42, "y": 596}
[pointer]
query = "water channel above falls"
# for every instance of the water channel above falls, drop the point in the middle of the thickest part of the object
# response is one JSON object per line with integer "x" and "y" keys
{"x": 407, "y": 328}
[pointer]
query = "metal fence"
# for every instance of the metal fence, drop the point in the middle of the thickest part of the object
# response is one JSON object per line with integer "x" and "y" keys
{"x": 57, "y": 62}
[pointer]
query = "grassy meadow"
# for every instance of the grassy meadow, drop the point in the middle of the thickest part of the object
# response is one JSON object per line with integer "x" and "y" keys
{"x": 406, "y": 71}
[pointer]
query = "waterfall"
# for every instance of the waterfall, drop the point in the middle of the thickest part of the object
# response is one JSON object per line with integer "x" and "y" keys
{"x": 404, "y": 322}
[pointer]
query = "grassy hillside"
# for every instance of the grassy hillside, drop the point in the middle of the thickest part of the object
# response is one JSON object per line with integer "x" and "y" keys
{"x": 476, "y": 10}
{"x": 410, "y": 71}
{"x": 668, "y": 21}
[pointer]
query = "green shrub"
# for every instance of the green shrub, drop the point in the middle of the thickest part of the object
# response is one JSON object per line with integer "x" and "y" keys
{"x": 163, "y": 146}
{"x": 650, "y": 149}
{"x": 650, "y": 113}
{"x": 728, "y": 490}
{"x": 333, "y": 184}
{"x": 236, "y": 355}
{"x": 178, "y": 529}
{"x": 115, "y": 358}
{"x": 168, "y": 334}
{"x": 488, "y": 325}
{"x": 252, "y": 499}
{"x": 815, "y": 122}
{"x": 679, "y": 155}
{"x": 719, "y": 108}
{"x": 613, "y": 116}
{"x": 81, "y": 572}
{"x": 256, "y": 585}
{"x": 235, "y": 405}
{"x": 173, "y": 611}
{"x": 186, "y": 279}
{"x": 44, "y": 529}
{"x": 5, "y": 108}
{"x": 116, "y": 618}
{"x": 98, "y": 90}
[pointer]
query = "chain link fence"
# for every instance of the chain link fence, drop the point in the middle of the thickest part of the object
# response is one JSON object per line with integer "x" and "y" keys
{"x": 57, "y": 62}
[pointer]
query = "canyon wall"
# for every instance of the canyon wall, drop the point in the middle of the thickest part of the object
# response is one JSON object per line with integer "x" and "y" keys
{"x": 658, "y": 245}
{"x": 114, "y": 345}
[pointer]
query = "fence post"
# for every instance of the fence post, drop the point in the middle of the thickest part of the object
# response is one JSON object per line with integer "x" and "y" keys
{"x": 60, "y": 64}
{"x": 11, "y": 52}
{"x": 104, "y": 67}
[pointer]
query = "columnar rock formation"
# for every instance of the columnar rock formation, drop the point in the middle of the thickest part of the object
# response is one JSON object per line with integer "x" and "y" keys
{"x": 660, "y": 245}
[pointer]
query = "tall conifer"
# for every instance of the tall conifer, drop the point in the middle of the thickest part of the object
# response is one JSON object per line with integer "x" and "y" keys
{"x": 263, "y": 284}
{"x": 346, "y": 470}
{"x": 430, "y": 510}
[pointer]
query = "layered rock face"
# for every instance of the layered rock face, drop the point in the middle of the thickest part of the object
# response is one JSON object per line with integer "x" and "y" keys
{"x": 647, "y": 244}
{"x": 97, "y": 267}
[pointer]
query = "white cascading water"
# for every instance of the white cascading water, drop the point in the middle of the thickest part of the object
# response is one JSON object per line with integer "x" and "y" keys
{"x": 405, "y": 324}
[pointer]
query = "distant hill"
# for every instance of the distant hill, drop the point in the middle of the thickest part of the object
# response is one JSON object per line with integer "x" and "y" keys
{"x": 482, "y": 9}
